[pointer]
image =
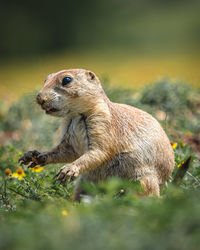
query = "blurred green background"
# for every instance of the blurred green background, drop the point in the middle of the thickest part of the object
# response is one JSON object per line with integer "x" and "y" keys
{"x": 132, "y": 42}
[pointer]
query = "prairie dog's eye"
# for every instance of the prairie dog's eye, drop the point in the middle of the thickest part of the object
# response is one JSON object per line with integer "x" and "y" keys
{"x": 66, "y": 80}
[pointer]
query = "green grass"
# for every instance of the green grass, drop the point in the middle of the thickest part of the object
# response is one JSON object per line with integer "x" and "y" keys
{"x": 38, "y": 213}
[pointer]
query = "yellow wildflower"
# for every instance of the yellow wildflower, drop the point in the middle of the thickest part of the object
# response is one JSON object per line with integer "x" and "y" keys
{"x": 174, "y": 145}
{"x": 64, "y": 212}
{"x": 180, "y": 164}
{"x": 8, "y": 172}
{"x": 19, "y": 174}
{"x": 37, "y": 169}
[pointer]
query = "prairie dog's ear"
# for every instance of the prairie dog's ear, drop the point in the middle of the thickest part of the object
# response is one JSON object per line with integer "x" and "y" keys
{"x": 90, "y": 76}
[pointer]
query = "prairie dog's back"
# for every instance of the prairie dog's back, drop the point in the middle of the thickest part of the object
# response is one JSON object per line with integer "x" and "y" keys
{"x": 149, "y": 141}
{"x": 130, "y": 119}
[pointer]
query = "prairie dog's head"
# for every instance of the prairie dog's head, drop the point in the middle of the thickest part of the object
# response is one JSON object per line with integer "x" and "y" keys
{"x": 74, "y": 90}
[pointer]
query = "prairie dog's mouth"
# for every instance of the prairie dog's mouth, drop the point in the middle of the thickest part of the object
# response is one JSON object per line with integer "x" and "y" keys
{"x": 51, "y": 110}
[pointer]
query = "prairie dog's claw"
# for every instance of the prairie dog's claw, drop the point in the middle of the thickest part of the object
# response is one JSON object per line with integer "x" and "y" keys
{"x": 67, "y": 172}
{"x": 32, "y": 165}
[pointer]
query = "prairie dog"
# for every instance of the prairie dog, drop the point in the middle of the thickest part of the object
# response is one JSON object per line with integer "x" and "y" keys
{"x": 100, "y": 138}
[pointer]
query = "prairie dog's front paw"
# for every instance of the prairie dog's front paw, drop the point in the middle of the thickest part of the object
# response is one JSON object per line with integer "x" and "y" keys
{"x": 41, "y": 159}
{"x": 33, "y": 158}
{"x": 29, "y": 158}
{"x": 68, "y": 172}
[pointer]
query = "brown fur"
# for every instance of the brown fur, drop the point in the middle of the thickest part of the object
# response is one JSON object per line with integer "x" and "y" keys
{"x": 102, "y": 138}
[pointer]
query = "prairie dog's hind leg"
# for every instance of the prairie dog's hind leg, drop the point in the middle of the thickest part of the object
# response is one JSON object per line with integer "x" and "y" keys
{"x": 150, "y": 185}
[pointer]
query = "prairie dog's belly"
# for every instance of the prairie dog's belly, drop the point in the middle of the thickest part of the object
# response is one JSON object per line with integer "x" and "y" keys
{"x": 76, "y": 134}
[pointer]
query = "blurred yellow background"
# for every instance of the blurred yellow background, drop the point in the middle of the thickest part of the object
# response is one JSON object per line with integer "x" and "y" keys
{"x": 128, "y": 42}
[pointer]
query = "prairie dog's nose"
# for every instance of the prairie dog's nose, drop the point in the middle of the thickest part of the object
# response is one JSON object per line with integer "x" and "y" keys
{"x": 39, "y": 99}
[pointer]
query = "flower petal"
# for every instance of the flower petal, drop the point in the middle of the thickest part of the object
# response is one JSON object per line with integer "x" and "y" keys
{"x": 64, "y": 212}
